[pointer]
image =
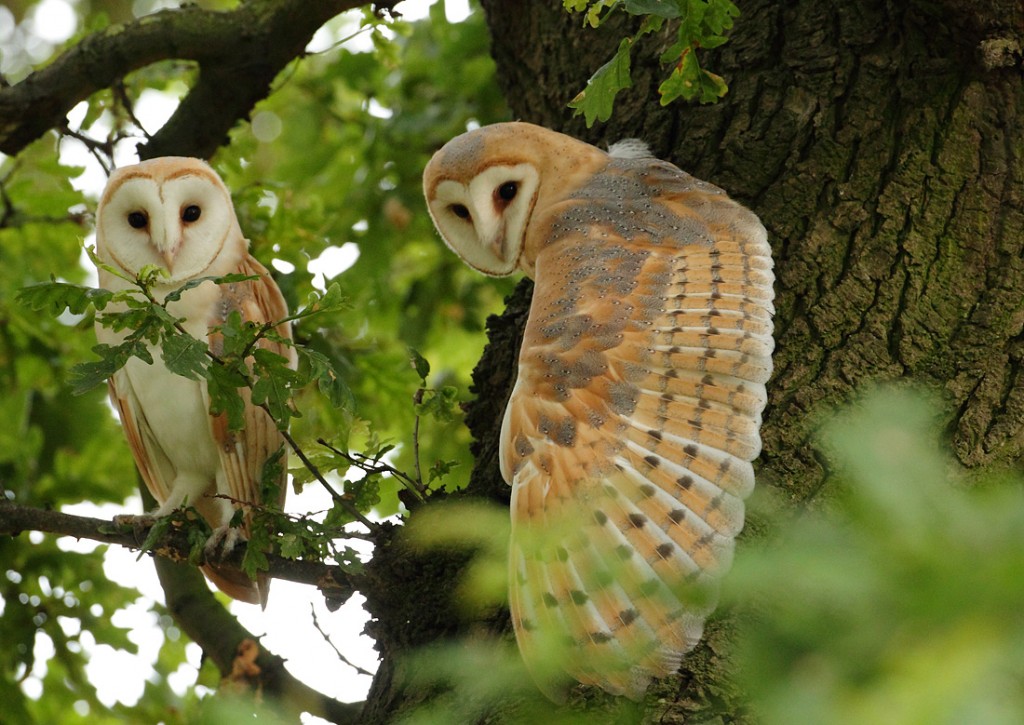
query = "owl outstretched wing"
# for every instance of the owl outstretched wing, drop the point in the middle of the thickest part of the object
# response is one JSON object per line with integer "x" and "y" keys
{"x": 629, "y": 436}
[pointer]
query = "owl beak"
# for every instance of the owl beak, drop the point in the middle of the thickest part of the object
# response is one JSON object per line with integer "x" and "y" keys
{"x": 168, "y": 246}
{"x": 498, "y": 243}
{"x": 493, "y": 230}
{"x": 168, "y": 256}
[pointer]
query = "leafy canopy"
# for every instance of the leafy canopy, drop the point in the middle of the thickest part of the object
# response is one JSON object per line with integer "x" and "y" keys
{"x": 374, "y": 114}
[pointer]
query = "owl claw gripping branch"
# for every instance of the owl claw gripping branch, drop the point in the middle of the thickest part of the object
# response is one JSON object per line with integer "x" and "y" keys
{"x": 176, "y": 213}
{"x": 629, "y": 436}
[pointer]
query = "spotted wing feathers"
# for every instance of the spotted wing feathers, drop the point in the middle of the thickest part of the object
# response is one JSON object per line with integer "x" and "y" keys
{"x": 630, "y": 432}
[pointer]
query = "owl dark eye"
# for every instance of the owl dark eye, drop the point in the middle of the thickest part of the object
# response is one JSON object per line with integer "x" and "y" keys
{"x": 190, "y": 213}
{"x": 507, "y": 191}
{"x": 138, "y": 220}
{"x": 460, "y": 211}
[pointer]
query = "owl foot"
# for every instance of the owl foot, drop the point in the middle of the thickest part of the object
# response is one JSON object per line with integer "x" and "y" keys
{"x": 221, "y": 542}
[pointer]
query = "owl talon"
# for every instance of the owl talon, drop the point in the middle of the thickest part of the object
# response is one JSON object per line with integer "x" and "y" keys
{"x": 221, "y": 542}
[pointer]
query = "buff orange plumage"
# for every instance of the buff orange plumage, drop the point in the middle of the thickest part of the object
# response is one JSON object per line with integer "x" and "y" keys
{"x": 629, "y": 436}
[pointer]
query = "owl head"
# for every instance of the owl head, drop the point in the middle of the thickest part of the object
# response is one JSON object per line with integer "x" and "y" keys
{"x": 173, "y": 212}
{"x": 488, "y": 191}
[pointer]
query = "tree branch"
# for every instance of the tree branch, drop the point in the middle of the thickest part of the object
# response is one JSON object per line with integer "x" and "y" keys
{"x": 239, "y": 53}
{"x": 243, "y": 662}
{"x": 335, "y": 584}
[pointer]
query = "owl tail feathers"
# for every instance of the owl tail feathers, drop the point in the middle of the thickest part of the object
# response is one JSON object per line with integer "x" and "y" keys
{"x": 586, "y": 604}
{"x": 237, "y": 585}
{"x": 562, "y": 643}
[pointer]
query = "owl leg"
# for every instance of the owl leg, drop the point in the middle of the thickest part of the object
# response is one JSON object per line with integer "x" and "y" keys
{"x": 221, "y": 542}
{"x": 224, "y": 536}
{"x": 188, "y": 487}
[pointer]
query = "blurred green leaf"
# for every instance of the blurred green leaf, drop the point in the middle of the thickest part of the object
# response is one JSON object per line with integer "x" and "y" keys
{"x": 901, "y": 601}
{"x": 55, "y": 297}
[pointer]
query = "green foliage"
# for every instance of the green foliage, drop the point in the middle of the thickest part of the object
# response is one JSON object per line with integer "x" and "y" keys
{"x": 357, "y": 129}
{"x": 597, "y": 100}
{"x": 480, "y": 675}
{"x": 54, "y": 297}
{"x": 374, "y": 120}
{"x": 148, "y": 320}
{"x": 902, "y": 602}
{"x": 55, "y": 449}
{"x": 699, "y": 24}
{"x": 480, "y": 527}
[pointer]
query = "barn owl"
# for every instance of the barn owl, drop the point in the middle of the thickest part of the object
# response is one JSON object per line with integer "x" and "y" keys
{"x": 176, "y": 213}
{"x": 629, "y": 435}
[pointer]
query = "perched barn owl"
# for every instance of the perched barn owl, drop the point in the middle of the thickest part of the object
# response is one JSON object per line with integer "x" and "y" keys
{"x": 176, "y": 213}
{"x": 629, "y": 435}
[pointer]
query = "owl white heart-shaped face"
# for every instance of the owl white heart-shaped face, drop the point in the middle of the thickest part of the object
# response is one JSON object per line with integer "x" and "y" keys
{"x": 483, "y": 218}
{"x": 170, "y": 212}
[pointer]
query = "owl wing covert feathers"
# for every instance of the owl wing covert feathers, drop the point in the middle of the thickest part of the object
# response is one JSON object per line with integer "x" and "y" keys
{"x": 629, "y": 434}
{"x": 242, "y": 453}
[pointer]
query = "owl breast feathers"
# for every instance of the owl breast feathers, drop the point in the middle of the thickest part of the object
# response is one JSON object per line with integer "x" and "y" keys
{"x": 629, "y": 435}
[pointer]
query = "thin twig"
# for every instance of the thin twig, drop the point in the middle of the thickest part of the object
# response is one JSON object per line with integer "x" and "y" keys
{"x": 360, "y": 461}
{"x": 304, "y": 519}
{"x": 338, "y": 43}
{"x": 349, "y": 508}
{"x": 121, "y": 94}
{"x": 416, "y": 400}
{"x": 327, "y": 639}
{"x": 94, "y": 147}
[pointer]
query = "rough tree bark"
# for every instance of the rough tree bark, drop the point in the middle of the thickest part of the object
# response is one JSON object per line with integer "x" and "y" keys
{"x": 882, "y": 144}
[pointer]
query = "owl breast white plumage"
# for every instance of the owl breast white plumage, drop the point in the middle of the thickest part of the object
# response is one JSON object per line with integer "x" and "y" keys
{"x": 176, "y": 213}
{"x": 629, "y": 435}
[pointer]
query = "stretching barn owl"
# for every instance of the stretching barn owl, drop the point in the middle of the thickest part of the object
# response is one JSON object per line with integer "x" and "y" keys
{"x": 176, "y": 213}
{"x": 629, "y": 436}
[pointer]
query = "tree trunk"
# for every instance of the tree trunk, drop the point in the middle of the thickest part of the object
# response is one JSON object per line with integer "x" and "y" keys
{"x": 882, "y": 145}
